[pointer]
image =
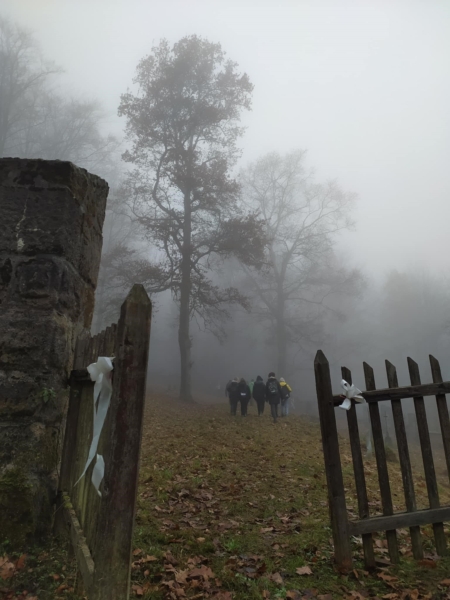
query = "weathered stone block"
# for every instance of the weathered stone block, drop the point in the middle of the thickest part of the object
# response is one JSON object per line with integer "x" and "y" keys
{"x": 51, "y": 216}
{"x": 51, "y": 207}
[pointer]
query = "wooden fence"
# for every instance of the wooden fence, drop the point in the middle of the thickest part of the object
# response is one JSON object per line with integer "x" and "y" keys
{"x": 341, "y": 526}
{"x": 101, "y": 528}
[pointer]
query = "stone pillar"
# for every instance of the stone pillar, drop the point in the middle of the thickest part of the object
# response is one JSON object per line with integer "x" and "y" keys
{"x": 51, "y": 218}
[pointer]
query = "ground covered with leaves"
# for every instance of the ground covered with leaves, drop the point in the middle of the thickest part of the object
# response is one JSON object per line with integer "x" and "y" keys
{"x": 236, "y": 508}
{"x": 233, "y": 508}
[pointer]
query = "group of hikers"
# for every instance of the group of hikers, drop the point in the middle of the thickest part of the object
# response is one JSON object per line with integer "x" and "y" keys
{"x": 273, "y": 391}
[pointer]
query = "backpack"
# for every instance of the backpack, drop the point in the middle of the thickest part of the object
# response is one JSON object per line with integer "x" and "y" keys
{"x": 233, "y": 387}
{"x": 284, "y": 392}
{"x": 272, "y": 387}
{"x": 242, "y": 391}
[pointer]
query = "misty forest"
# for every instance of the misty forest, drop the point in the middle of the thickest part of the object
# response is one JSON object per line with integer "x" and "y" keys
{"x": 275, "y": 214}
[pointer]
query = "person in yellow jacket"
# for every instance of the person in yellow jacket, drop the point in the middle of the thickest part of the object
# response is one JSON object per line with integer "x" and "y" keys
{"x": 285, "y": 397}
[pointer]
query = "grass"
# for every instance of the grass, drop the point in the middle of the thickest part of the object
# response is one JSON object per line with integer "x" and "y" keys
{"x": 235, "y": 508}
{"x": 247, "y": 498}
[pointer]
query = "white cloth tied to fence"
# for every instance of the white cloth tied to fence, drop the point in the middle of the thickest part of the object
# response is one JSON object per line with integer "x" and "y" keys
{"x": 350, "y": 393}
{"x": 100, "y": 373}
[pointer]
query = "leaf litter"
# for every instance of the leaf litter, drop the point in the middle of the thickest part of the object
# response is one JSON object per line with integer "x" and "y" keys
{"x": 232, "y": 509}
{"x": 242, "y": 505}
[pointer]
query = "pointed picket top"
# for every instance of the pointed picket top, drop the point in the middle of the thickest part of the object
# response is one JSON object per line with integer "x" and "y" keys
{"x": 137, "y": 295}
{"x": 369, "y": 377}
{"x": 320, "y": 359}
{"x": 391, "y": 373}
{"x": 347, "y": 375}
{"x": 414, "y": 373}
{"x": 435, "y": 370}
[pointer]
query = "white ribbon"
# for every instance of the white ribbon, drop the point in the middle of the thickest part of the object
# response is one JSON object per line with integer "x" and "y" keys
{"x": 100, "y": 373}
{"x": 350, "y": 393}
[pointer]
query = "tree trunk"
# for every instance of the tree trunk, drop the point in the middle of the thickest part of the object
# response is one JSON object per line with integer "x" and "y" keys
{"x": 184, "y": 338}
{"x": 281, "y": 351}
{"x": 281, "y": 334}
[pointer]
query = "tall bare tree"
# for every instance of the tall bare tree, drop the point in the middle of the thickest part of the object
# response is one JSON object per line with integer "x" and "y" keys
{"x": 23, "y": 74}
{"x": 301, "y": 272}
{"x": 183, "y": 125}
{"x": 37, "y": 122}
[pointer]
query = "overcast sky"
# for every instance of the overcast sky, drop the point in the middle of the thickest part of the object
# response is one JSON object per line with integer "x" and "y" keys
{"x": 362, "y": 85}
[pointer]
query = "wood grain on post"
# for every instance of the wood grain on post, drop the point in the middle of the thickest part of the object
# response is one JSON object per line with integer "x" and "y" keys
{"x": 332, "y": 459}
{"x": 405, "y": 462}
{"x": 427, "y": 457}
{"x": 358, "y": 469}
{"x": 383, "y": 474}
{"x": 73, "y": 411}
{"x": 442, "y": 407}
{"x": 112, "y": 551}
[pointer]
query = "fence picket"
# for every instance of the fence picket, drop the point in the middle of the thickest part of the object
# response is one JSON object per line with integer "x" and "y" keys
{"x": 442, "y": 407}
{"x": 405, "y": 462}
{"x": 427, "y": 457}
{"x": 358, "y": 469}
{"x": 380, "y": 454}
{"x": 113, "y": 544}
{"x": 332, "y": 459}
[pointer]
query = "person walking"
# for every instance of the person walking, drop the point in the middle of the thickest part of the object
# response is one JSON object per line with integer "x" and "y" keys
{"x": 232, "y": 393}
{"x": 273, "y": 395}
{"x": 285, "y": 397}
{"x": 259, "y": 394}
{"x": 251, "y": 383}
{"x": 244, "y": 395}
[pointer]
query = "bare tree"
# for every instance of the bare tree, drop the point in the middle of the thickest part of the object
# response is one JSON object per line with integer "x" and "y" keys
{"x": 183, "y": 123}
{"x": 301, "y": 273}
{"x": 35, "y": 121}
{"x": 23, "y": 74}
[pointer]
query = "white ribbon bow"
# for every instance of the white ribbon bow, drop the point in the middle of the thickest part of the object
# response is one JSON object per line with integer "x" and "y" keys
{"x": 100, "y": 373}
{"x": 350, "y": 393}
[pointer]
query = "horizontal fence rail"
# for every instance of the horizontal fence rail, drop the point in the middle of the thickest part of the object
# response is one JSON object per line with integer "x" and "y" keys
{"x": 101, "y": 527}
{"x": 390, "y": 521}
{"x": 399, "y": 393}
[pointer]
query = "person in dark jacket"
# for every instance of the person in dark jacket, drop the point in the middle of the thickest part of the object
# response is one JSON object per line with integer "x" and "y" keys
{"x": 244, "y": 395}
{"x": 259, "y": 394}
{"x": 232, "y": 393}
{"x": 273, "y": 395}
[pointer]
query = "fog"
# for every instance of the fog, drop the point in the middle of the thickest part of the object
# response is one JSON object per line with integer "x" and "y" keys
{"x": 363, "y": 87}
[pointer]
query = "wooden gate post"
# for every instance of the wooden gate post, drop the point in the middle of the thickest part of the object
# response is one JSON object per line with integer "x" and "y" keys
{"x": 333, "y": 468}
{"x": 115, "y": 525}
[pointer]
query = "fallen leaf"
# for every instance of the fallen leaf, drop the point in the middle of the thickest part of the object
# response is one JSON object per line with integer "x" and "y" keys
{"x": 7, "y": 568}
{"x": 426, "y": 562}
{"x": 137, "y": 552}
{"x": 386, "y": 577}
{"x": 303, "y": 571}
{"x": 137, "y": 589}
{"x": 148, "y": 558}
{"x": 445, "y": 582}
{"x": 276, "y": 578}
{"x": 20, "y": 564}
